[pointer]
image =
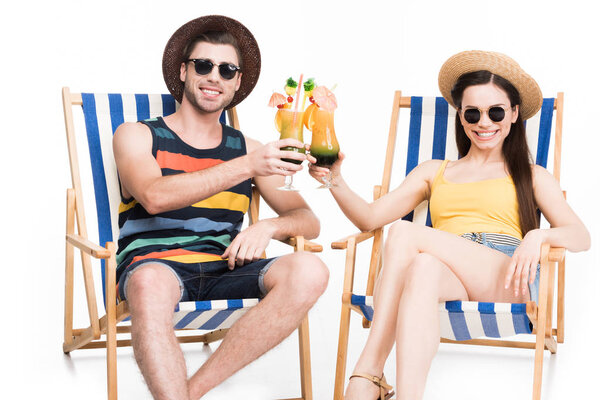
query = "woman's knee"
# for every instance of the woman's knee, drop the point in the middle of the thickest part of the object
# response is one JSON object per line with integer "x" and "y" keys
{"x": 400, "y": 229}
{"x": 423, "y": 273}
{"x": 400, "y": 240}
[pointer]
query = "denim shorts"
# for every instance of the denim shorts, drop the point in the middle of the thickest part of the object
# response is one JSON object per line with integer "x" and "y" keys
{"x": 507, "y": 245}
{"x": 208, "y": 280}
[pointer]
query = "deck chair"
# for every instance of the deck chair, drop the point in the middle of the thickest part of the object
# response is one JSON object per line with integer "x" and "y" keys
{"x": 102, "y": 114}
{"x": 431, "y": 136}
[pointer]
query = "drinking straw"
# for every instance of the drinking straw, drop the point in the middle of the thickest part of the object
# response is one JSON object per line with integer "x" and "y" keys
{"x": 297, "y": 99}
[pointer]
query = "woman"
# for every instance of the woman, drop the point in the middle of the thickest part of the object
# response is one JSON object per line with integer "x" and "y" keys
{"x": 482, "y": 205}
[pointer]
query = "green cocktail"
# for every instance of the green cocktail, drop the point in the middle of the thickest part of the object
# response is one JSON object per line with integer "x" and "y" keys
{"x": 324, "y": 145}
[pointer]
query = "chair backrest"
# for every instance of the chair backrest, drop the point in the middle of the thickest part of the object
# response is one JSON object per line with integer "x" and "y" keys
{"x": 430, "y": 135}
{"x": 96, "y": 181}
{"x": 428, "y": 131}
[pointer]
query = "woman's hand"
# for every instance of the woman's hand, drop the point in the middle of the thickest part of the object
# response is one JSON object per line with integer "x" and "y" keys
{"x": 319, "y": 173}
{"x": 523, "y": 264}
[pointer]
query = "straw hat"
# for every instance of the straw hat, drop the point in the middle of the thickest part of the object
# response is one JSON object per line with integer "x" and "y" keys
{"x": 498, "y": 64}
{"x": 173, "y": 54}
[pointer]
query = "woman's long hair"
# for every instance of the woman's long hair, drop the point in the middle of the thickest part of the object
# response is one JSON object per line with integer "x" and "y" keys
{"x": 514, "y": 149}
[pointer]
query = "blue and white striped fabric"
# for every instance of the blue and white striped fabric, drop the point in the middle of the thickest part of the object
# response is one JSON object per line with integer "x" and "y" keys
{"x": 210, "y": 315}
{"x": 431, "y": 136}
{"x": 464, "y": 320}
{"x": 103, "y": 113}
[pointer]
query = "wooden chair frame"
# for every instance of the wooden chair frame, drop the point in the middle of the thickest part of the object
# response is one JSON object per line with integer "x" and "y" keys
{"x": 546, "y": 337}
{"x": 90, "y": 337}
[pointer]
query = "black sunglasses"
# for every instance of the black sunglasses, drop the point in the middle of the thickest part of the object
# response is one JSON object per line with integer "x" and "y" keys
{"x": 205, "y": 67}
{"x": 495, "y": 113}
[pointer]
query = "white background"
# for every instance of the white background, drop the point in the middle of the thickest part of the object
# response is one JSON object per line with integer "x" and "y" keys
{"x": 369, "y": 49}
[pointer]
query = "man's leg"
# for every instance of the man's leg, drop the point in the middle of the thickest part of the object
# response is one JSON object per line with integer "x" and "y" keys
{"x": 294, "y": 283}
{"x": 152, "y": 294}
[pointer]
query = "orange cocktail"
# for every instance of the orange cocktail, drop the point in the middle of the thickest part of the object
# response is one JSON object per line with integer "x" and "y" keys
{"x": 324, "y": 145}
{"x": 289, "y": 124}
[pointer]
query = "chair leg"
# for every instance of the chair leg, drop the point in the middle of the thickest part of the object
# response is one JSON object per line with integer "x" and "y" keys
{"x": 111, "y": 324}
{"x": 340, "y": 368}
{"x": 539, "y": 361}
{"x": 305, "y": 367}
{"x": 69, "y": 261}
{"x": 111, "y": 362}
{"x": 540, "y": 337}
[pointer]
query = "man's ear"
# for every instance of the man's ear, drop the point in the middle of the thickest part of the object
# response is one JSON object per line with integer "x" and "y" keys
{"x": 183, "y": 72}
{"x": 239, "y": 81}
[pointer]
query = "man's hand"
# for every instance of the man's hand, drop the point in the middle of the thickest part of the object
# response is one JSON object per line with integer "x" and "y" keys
{"x": 266, "y": 160}
{"x": 250, "y": 244}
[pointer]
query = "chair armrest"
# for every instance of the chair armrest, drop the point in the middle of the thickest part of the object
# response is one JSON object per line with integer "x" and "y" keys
{"x": 341, "y": 244}
{"x": 88, "y": 247}
{"x": 308, "y": 245}
{"x": 556, "y": 254}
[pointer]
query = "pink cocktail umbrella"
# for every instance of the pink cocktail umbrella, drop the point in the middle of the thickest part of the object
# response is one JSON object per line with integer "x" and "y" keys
{"x": 277, "y": 99}
{"x": 324, "y": 98}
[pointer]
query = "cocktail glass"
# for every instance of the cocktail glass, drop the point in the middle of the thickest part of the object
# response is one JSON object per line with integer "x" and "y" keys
{"x": 324, "y": 145}
{"x": 289, "y": 124}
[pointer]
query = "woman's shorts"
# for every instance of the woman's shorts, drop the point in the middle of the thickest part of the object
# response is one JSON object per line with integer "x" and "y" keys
{"x": 507, "y": 245}
{"x": 208, "y": 280}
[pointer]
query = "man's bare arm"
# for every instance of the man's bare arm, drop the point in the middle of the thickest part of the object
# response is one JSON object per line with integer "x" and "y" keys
{"x": 294, "y": 218}
{"x": 142, "y": 179}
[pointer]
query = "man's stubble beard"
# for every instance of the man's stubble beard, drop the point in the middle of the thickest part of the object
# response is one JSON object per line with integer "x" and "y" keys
{"x": 188, "y": 92}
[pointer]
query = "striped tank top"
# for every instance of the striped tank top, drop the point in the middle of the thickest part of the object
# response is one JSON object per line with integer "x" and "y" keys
{"x": 197, "y": 233}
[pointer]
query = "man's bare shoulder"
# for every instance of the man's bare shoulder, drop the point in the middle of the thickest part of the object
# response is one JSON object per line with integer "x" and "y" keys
{"x": 132, "y": 129}
{"x": 130, "y": 136}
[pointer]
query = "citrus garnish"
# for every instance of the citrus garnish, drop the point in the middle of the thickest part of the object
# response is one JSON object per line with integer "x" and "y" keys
{"x": 309, "y": 120}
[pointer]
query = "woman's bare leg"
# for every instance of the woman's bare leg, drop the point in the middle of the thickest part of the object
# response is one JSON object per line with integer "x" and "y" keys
{"x": 478, "y": 268}
{"x": 428, "y": 282}
{"x": 385, "y": 305}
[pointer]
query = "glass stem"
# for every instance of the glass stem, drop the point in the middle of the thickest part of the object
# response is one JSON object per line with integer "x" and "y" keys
{"x": 289, "y": 180}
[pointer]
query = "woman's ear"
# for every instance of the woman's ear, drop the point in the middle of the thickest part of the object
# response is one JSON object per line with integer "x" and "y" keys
{"x": 515, "y": 114}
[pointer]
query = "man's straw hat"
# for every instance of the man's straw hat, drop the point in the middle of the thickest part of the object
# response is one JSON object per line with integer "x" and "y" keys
{"x": 498, "y": 64}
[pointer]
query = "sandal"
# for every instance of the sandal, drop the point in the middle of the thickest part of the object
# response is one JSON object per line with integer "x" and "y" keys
{"x": 381, "y": 382}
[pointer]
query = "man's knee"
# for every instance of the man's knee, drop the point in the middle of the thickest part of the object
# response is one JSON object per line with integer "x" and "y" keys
{"x": 150, "y": 285}
{"x": 305, "y": 275}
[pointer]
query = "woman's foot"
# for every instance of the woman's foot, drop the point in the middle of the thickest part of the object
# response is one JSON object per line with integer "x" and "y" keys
{"x": 366, "y": 387}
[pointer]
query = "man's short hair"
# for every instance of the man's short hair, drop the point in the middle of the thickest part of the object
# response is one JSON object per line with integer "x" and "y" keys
{"x": 214, "y": 37}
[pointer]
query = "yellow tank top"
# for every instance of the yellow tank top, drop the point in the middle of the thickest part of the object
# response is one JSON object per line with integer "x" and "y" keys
{"x": 484, "y": 206}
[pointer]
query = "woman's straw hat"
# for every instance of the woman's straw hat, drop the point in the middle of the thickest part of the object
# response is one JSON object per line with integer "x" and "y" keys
{"x": 498, "y": 64}
{"x": 173, "y": 54}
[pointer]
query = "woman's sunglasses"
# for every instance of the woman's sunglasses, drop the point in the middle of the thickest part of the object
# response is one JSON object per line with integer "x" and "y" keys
{"x": 205, "y": 67}
{"x": 495, "y": 113}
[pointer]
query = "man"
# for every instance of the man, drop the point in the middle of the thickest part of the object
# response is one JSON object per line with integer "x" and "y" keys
{"x": 185, "y": 183}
